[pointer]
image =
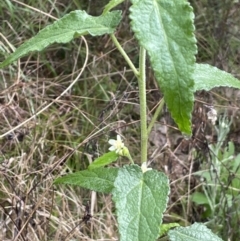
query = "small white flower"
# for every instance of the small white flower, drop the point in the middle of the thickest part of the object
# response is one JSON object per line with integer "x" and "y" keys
{"x": 212, "y": 115}
{"x": 145, "y": 168}
{"x": 116, "y": 145}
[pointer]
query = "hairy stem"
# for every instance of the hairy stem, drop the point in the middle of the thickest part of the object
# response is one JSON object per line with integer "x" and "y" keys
{"x": 141, "y": 76}
{"x": 143, "y": 103}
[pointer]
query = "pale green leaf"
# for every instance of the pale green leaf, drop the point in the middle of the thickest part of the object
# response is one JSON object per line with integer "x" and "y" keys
{"x": 104, "y": 160}
{"x": 99, "y": 180}
{"x": 164, "y": 228}
{"x": 235, "y": 165}
{"x": 165, "y": 29}
{"x": 111, "y": 5}
{"x": 74, "y": 24}
{"x": 207, "y": 77}
{"x": 195, "y": 232}
{"x": 140, "y": 199}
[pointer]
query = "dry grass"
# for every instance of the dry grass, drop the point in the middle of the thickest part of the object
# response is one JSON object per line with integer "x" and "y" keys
{"x": 66, "y": 136}
{"x": 75, "y": 127}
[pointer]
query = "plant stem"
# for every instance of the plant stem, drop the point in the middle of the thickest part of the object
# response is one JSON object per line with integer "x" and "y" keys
{"x": 155, "y": 116}
{"x": 141, "y": 76}
{"x": 125, "y": 56}
{"x": 143, "y": 104}
{"x": 130, "y": 159}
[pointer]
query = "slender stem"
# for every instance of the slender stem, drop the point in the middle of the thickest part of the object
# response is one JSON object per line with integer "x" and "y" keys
{"x": 141, "y": 76}
{"x": 155, "y": 116}
{"x": 125, "y": 152}
{"x": 143, "y": 103}
{"x": 125, "y": 56}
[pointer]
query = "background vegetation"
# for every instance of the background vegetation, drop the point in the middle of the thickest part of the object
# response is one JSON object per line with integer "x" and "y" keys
{"x": 204, "y": 170}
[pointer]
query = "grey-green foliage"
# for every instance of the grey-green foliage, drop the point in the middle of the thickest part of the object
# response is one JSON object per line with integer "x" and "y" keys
{"x": 220, "y": 190}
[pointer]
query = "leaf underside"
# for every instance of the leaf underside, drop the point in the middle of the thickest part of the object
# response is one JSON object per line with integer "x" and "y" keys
{"x": 99, "y": 179}
{"x": 141, "y": 199}
{"x": 165, "y": 29}
{"x": 207, "y": 77}
{"x": 195, "y": 232}
{"x": 72, "y": 25}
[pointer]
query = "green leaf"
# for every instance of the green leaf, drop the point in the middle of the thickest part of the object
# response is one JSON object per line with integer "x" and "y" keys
{"x": 141, "y": 199}
{"x": 111, "y": 5}
{"x": 195, "y": 232}
{"x": 165, "y": 29}
{"x": 72, "y": 25}
{"x": 199, "y": 198}
{"x": 164, "y": 228}
{"x": 207, "y": 77}
{"x": 104, "y": 160}
{"x": 99, "y": 180}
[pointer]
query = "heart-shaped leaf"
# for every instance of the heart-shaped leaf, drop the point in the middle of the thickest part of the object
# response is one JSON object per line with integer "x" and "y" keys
{"x": 141, "y": 199}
